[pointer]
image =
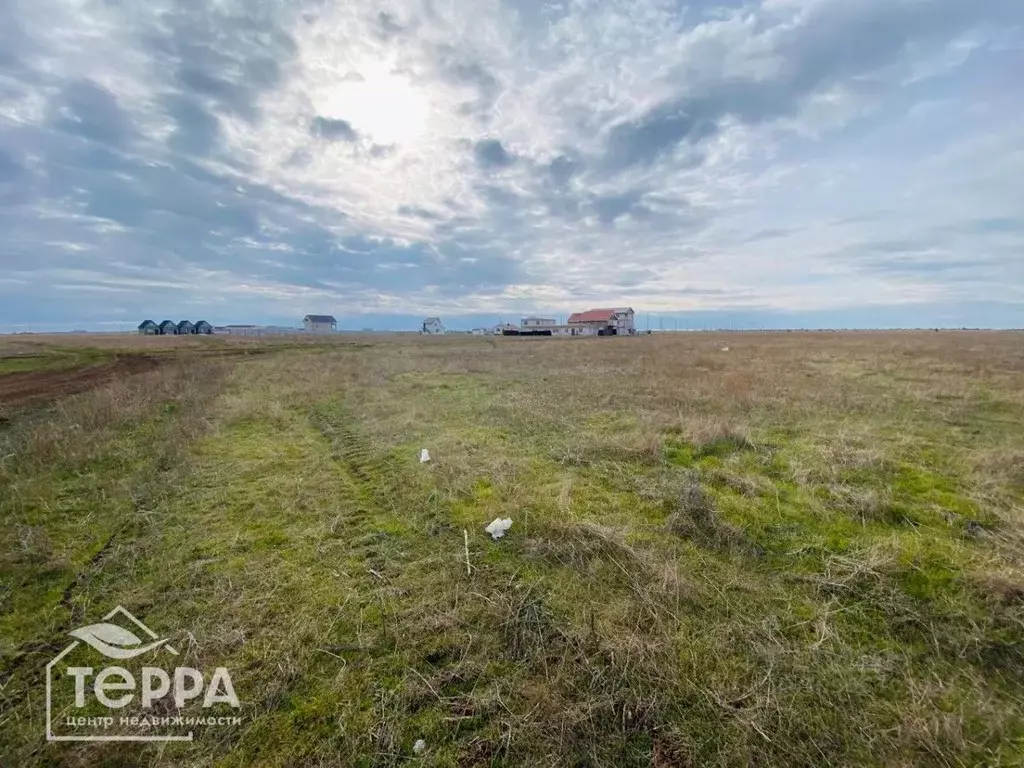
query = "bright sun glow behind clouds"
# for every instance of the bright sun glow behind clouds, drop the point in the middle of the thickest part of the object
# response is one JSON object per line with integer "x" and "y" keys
{"x": 381, "y": 105}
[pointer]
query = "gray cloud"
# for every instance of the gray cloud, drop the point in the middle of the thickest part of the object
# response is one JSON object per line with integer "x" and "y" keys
{"x": 832, "y": 42}
{"x": 86, "y": 109}
{"x": 563, "y": 168}
{"x": 770, "y": 233}
{"x": 421, "y": 213}
{"x": 197, "y": 130}
{"x": 459, "y": 68}
{"x": 491, "y": 153}
{"x": 388, "y": 26}
{"x": 611, "y": 207}
{"x": 1001, "y": 224}
{"x": 332, "y": 130}
{"x": 647, "y": 138}
{"x": 14, "y": 180}
{"x": 229, "y": 57}
{"x": 10, "y": 169}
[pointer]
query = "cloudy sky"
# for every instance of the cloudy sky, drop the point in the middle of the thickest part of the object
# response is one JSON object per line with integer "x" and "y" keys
{"x": 781, "y": 162}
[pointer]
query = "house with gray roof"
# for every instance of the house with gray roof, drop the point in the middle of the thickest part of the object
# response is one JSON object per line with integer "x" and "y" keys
{"x": 320, "y": 323}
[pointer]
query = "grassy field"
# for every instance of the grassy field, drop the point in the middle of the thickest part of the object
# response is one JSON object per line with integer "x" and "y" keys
{"x": 805, "y": 550}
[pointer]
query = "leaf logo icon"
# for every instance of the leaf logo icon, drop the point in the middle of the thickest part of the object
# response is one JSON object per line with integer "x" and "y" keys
{"x": 113, "y": 641}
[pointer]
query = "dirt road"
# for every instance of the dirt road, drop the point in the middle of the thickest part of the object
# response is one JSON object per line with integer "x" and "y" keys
{"x": 25, "y": 388}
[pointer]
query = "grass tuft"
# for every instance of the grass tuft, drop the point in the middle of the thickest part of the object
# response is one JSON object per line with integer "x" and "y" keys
{"x": 693, "y": 517}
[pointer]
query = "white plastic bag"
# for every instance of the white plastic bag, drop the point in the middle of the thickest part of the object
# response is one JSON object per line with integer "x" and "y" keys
{"x": 497, "y": 527}
{"x": 424, "y": 456}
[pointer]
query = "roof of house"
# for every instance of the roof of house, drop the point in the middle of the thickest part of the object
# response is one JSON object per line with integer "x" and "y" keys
{"x": 147, "y": 324}
{"x": 597, "y": 315}
{"x": 169, "y": 322}
{"x": 432, "y": 320}
{"x": 202, "y": 322}
{"x": 319, "y": 319}
{"x": 591, "y": 316}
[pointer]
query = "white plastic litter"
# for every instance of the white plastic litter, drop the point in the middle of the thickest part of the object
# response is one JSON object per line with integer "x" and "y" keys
{"x": 497, "y": 527}
{"x": 725, "y": 349}
{"x": 419, "y": 747}
{"x": 424, "y": 456}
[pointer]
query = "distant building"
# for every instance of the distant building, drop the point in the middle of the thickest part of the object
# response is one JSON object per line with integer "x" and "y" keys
{"x": 185, "y": 328}
{"x": 203, "y": 327}
{"x": 320, "y": 323}
{"x": 432, "y": 326}
{"x": 149, "y": 328}
{"x": 168, "y": 328}
{"x": 538, "y": 322}
{"x": 602, "y": 322}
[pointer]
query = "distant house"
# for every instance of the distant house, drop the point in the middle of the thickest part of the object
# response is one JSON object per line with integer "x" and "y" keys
{"x": 432, "y": 326}
{"x": 203, "y": 327}
{"x": 168, "y": 328}
{"x": 185, "y": 328}
{"x": 602, "y": 322}
{"x": 538, "y": 322}
{"x": 148, "y": 328}
{"x": 319, "y": 323}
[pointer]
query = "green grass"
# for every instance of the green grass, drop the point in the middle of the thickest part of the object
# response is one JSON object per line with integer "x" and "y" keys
{"x": 693, "y": 576}
{"x": 50, "y": 359}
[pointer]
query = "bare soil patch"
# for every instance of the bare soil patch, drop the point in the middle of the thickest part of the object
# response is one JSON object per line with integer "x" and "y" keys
{"x": 30, "y": 387}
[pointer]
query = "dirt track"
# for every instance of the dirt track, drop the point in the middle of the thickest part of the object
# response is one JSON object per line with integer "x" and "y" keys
{"x": 24, "y": 388}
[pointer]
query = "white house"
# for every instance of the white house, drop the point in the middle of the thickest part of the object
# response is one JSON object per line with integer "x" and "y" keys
{"x": 544, "y": 323}
{"x": 319, "y": 323}
{"x": 433, "y": 326}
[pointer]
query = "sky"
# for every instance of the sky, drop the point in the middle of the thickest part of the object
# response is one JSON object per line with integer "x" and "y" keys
{"x": 782, "y": 163}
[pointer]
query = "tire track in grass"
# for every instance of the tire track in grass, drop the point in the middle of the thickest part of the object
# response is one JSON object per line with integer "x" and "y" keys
{"x": 285, "y": 512}
{"x": 361, "y": 473}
